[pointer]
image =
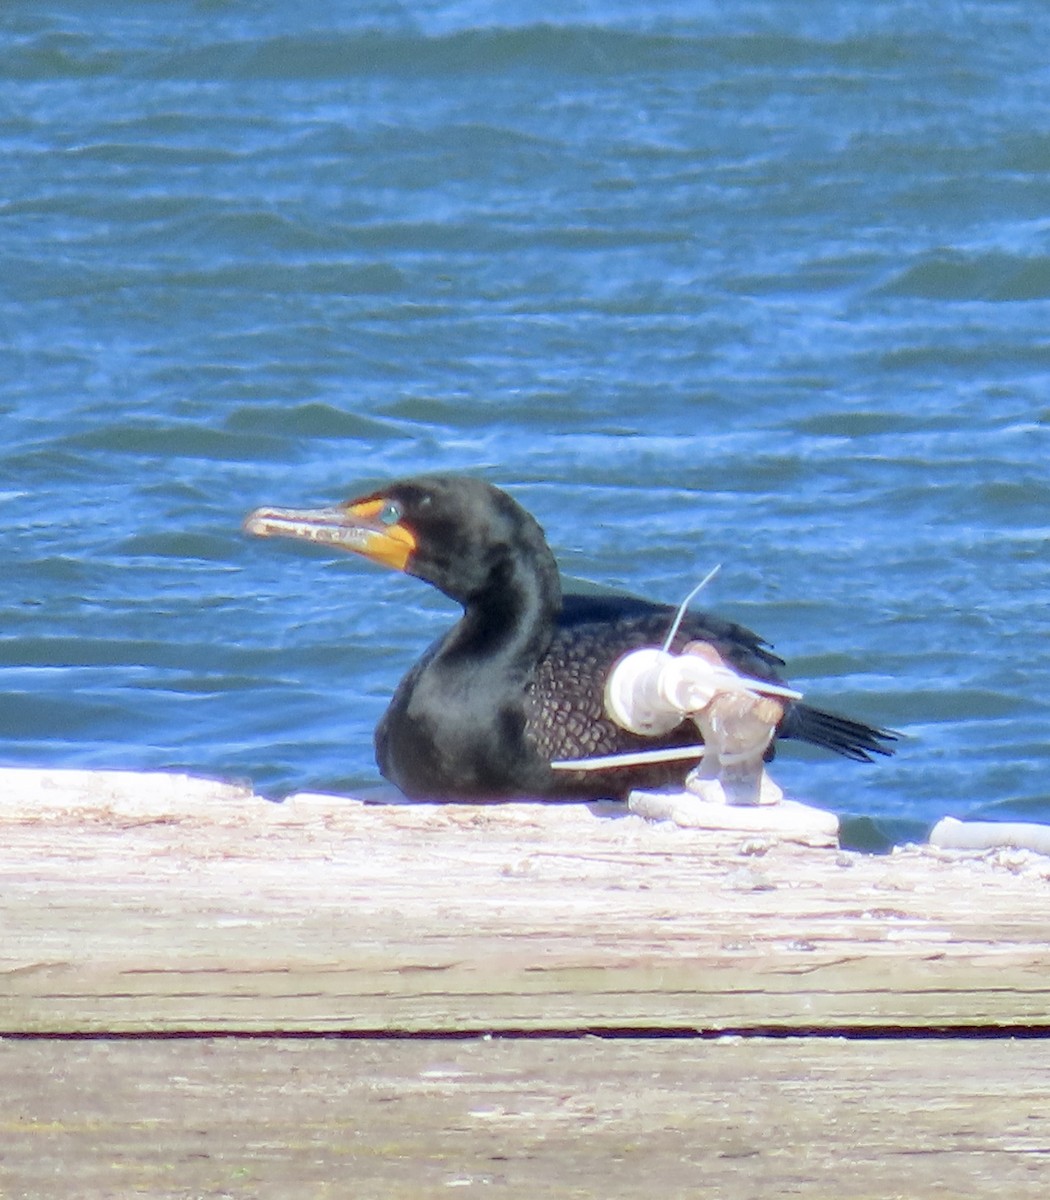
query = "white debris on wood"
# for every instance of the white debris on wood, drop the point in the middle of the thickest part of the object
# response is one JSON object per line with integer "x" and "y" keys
{"x": 133, "y": 795}
{"x": 787, "y": 821}
{"x": 952, "y": 834}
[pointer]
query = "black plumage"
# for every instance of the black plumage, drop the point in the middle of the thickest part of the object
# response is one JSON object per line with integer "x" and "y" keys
{"x": 519, "y": 680}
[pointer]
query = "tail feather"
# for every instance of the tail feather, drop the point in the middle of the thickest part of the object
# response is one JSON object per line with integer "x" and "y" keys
{"x": 853, "y": 739}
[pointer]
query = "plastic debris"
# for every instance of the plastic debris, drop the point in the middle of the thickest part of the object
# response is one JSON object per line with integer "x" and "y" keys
{"x": 650, "y": 692}
{"x": 952, "y": 834}
{"x": 787, "y": 821}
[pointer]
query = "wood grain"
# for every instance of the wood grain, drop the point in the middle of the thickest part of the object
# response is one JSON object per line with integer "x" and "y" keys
{"x": 166, "y": 905}
{"x": 633, "y": 1118}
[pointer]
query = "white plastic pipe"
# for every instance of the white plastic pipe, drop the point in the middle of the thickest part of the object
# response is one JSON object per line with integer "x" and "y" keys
{"x": 952, "y": 834}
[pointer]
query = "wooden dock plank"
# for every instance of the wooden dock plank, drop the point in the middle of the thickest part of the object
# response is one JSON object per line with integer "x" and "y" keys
{"x": 185, "y": 906}
{"x": 262, "y": 1118}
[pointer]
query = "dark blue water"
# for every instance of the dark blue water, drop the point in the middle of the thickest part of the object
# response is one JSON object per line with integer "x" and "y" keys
{"x": 740, "y": 283}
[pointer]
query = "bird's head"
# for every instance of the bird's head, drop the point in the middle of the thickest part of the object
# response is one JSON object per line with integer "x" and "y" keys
{"x": 460, "y": 534}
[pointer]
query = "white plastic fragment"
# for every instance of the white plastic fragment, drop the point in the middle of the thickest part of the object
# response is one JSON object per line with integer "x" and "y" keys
{"x": 788, "y": 821}
{"x": 952, "y": 834}
{"x": 634, "y": 758}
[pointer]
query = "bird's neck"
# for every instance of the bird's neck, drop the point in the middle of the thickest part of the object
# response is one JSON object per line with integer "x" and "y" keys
{"x": 508, "y": 625}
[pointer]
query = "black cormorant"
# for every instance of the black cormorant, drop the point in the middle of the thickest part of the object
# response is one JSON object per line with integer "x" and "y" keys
{"x": 518, "y": 682}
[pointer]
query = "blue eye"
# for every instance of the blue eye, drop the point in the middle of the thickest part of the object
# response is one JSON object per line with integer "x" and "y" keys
{"x": 390, "y": 513}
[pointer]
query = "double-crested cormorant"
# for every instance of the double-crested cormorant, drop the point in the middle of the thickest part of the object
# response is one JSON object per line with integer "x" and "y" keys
{"x": 518, "y": 682}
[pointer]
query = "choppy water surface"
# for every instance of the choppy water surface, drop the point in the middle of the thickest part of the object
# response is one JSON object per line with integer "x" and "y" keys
{"x": 739, "y": 283}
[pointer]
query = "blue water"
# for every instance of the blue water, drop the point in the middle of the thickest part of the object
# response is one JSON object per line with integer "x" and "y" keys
{"x": 765, "y": 285}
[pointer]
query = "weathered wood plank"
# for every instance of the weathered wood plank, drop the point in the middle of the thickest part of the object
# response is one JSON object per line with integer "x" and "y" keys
{"x": 261, "y": 1119}
{"x": 183, "y": 906}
